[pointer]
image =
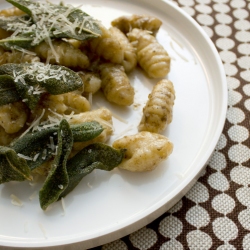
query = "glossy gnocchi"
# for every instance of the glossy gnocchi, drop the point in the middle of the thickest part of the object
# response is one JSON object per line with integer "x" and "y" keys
{"x": 144, "y": 151}
{"x": 158, "y": 111}
{"x": 116, "y": 85}
{"x": 151, "y": 55}
{"x": 101, "y": 115}
{"x": 65, "y": 54}
{"x": 107, "y": 47}
{"x": 11, "y": 12}
{"x": 63, "y": 104}
{"x": 129, "y": 61}
{"x": 5, "y": 138}
{"x": 92, "y": 82}
{"x": 17, "y": 57}
{"x": 143, "y": 22}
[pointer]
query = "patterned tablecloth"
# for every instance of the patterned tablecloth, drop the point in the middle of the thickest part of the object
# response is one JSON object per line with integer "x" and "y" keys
{"x": 215, "y": 213}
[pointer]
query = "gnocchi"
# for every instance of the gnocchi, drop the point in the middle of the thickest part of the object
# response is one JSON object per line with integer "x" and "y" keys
{"x": 115, "y": 84}
{"x": 107, "y": 47}
{"x": 18, "y": 57}
{"x": 144, "y": 151}
{"x": 101, "y": 115}
{"x": 92, "y": 82}
{"x": 13, "y": 117}
{"x": 66, "y": 54}
{"x": 63, "y": 104}
{"x": 158, "y": 110}
{"x": 143, "y": 22}
{"x": 151, "y": 55}
{"x": 130, "y": 60}
{"x": 5, "y": 138}
{"x": 11, "y": 12}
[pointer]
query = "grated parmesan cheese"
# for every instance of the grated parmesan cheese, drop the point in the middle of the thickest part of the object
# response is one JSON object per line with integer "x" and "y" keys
{"x": 16, "y": 201}
{"x": 36, "y": 156}
{"x": 34, "y": 124}
{"x": 90, "y": 186}
{"x": 119, "y": 118}
{"x": 33, "y": 195}
{"x": 178, "y": 53}
{"x": 63, "y": 206}
{"x": 25, "y": 157}
{"x": 44, "y": 154}
{"x": 52, "y": 144}
{"x": 43, "y": 230}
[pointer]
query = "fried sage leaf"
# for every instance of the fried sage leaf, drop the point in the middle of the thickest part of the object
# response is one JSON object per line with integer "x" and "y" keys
{"x": 32, "y": 80}
{"x": 57, "y": 180}
{"x": 41, "y": 145}
{"x": 16, "y": 43}
{"x": 13, "y": 23}
{"x": 8, "y": 93}
{"x": 86, "y": 131}
{"x": 10, "y": 22}
{"x": 94, "y": 156}
{"x": 86, "y": 27}
{"x": 54, "y": 21}
{"x": 12, "y": 167}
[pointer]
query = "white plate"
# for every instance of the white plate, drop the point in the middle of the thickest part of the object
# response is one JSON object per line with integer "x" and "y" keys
{"x": 108, "y": 205}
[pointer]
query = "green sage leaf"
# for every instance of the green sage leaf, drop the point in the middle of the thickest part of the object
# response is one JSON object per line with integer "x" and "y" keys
{"x": 22, "y": 5}
{"x": 16, "y": 42}
{"x": 12, "y": 167}
{"x": 23, "y": 38}
{"x": 10, "y": 23}
{"x": 40, "y": 145}
{"x": 31, "y": 80}
{"x": 94, "y": 156}
{"x": 86, "y": 131}
{"x": 86, "y": 27}
{"x": 57, "y": 180}
{"x": 8, "y": 93}
{"x": 68, "y": 21}
{"x": 56, "y": 79}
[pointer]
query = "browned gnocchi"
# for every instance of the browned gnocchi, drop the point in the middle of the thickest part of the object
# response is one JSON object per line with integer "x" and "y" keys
{"x": 158, "y": 110}
{"x": 13, "y": 117}
{"x": 129, "y": 61}
{"x": 115, "y": 84}
{"x": 144, "y": 151}
{"x": 63, "y": 104}
{"x": 92, "y": 82}
{"x": 107, "y": 47}
{"x": 13, "y": 11}
{"x": 5, "y": 138}
{"x": 151, "y": 55}
{"x": 65, "y": 54}
{"x": 18, "y": 57}
{"x": 143, "y": 22}
{"x": 101, "y": 115}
